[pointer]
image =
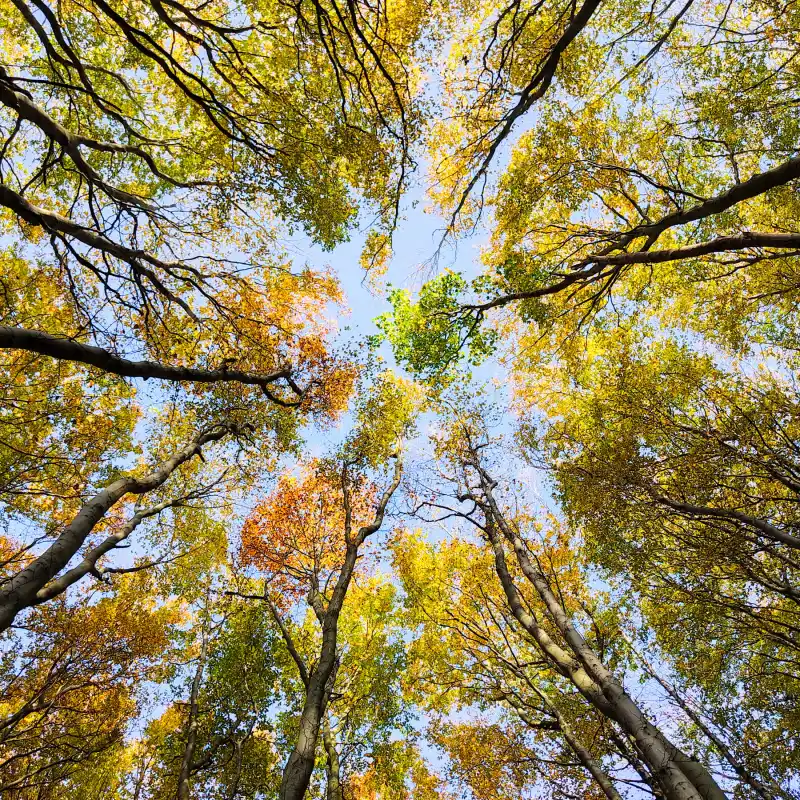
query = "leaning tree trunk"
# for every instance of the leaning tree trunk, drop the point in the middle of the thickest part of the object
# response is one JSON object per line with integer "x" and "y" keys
{"x": 20, "y": 590}
{"x": 592, "y": 765}
{"x": 682, "y": 777}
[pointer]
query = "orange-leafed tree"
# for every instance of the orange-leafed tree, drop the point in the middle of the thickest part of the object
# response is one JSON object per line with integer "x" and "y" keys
{"x": 73, "y": 685}
{"x": 306, "y": 541}
{"x": 296, "y": 536}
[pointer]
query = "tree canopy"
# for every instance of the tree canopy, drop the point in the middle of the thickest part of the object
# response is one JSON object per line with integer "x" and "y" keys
{"x": 523, "y": 524}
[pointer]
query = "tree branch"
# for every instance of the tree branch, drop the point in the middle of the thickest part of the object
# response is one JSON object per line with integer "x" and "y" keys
{"x": 19, "y": 591}
{"x": 69, "y": 350}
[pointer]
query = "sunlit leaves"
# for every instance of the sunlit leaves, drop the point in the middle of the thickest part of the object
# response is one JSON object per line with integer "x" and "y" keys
{"x": 429, "y": 335}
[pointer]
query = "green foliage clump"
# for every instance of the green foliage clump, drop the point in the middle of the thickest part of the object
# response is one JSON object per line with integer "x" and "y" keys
{"x": 429, "y": 336}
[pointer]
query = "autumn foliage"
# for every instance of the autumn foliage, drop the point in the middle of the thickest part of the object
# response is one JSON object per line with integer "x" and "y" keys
{"x": 399, "y": 399}
{"x": 296, "y": 534}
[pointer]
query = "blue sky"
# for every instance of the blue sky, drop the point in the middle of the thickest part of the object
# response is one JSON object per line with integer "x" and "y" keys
{"x": 415, "y": 242}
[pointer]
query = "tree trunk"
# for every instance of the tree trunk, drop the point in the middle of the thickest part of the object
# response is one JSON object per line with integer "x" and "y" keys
{"x": 333, "y": 768}
{"x": 681, "y": 777}
{"x": 630, "y": 754}
{"x": 739, "y": 768}
{"x": 298, "y": 769}
{"x": 20, "y": 590}
{"x": 594, "y": 767}
{"x": 191, "y": 726}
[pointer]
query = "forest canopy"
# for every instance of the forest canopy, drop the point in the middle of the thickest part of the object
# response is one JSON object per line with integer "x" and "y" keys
{"x": 522, "y": 523}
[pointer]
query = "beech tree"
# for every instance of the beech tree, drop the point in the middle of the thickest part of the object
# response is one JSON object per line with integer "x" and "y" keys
{"x": 569, "y": 654}
{"x": 307, "y": 538}
{"x": 680, "y": 474}
{"x": 209, "y": 589}
{"x": 630, "y": 157}
{"x": 148, "y": 159}
{"x": 471, "y": 655}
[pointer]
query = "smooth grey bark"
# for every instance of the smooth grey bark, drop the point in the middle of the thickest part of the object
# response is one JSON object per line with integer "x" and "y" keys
{"x": 20, "y": 590}
{"x": 306, "y": 675}
{"x": 681, "y": 776}
{"x": 590, "y": 763}
{"x": 662, "y": 757}
{"x": 629, "y": 753}
{"x": 657, "y": 756}
{"x": 332, "y": 766}
{"x": 300, "y": 765}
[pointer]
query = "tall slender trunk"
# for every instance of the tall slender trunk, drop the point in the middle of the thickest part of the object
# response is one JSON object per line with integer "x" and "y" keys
{"x": 659, "y": 757}
{"x": 629, "y": 752}
{"x": 191, "y": 726}
{"x": 737, "y": 766}
{"x": 333, "y": 768}
{"x": 682, "y": 777}
{"x": 298, "y": 769}
{"x": 592, "y": 765}
{"x": 300, "y": 765}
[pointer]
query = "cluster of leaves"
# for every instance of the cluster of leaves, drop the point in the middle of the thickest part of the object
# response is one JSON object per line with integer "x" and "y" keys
{"x": 429, "y": 336}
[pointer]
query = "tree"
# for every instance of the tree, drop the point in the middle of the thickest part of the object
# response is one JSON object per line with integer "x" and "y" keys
{"x": 571, "y": 654}
{"x": 365, "y": 718}
{"x": 215, "y": 738}
{"x": 72, "y": 688}
{"x": 39, "y": 580}
{"x": 143, "y": 148}
{"x": 681, "y": 476}
{"x": 307, "y": 538}
{"x": 654, "y": 169}
{"x": 322, "y": 545}
{"x": 148, "y": 160}
{"x": 198, "y": 600}
{"x": 161, "y": 127}
{"x": 69, "y": 446}
{"x": 470, "y": 655}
